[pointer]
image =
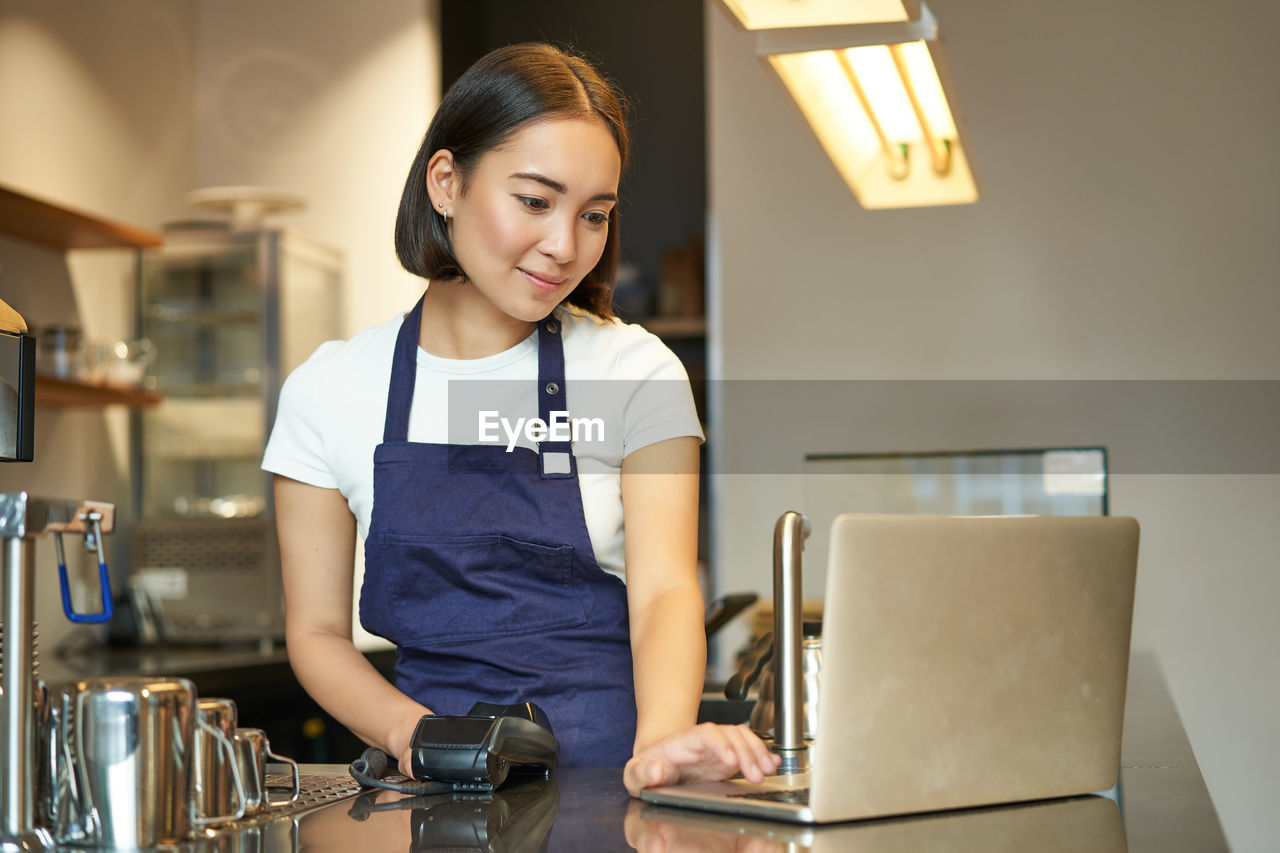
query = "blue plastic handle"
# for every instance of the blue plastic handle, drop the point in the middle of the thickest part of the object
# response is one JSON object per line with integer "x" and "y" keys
{"x": 104, "y": 580}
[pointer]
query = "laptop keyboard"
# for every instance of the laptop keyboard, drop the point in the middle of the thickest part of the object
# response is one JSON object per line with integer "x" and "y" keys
{"x": 798, "y": 796}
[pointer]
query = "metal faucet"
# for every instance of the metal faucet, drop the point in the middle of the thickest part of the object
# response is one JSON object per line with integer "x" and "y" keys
{"x": 22, "y": 518}
{"x": 789, "y": 534}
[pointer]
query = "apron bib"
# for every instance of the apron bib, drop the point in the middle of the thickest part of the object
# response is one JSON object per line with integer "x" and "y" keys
{"x": 479, "y": 567}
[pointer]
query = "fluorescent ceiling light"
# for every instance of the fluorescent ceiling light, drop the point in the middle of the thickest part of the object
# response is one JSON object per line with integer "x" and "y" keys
{"x": 774, "y": 14}
{"x": 878, "y": 105}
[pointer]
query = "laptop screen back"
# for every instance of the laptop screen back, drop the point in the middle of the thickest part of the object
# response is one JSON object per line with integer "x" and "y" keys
{"x": 971, "y": 660}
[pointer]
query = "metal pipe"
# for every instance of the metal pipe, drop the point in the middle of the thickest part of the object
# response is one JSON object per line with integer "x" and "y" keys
{"x": 17, "y": 714}
{"x": 789, "y": 534}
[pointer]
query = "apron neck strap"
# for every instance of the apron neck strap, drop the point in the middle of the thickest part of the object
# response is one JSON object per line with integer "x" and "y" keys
{"x": 556, "y": 457}
{"x": 551, "y": 394}
{"x": 404, "y": 372}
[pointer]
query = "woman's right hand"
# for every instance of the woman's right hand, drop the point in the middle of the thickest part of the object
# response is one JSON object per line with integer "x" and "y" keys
{"x": 402, "y": 742}
{"x": 406, "y": 761}
{"x": 706, "y": 752}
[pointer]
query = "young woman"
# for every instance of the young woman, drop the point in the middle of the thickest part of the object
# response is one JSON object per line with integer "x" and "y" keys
{"x": 498, "y": 570}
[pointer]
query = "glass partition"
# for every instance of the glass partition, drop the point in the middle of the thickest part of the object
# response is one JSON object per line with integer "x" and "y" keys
{"x": 1022, "y": 481}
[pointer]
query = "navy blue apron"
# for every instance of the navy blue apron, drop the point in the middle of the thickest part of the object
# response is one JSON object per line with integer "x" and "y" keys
{"x": 478, "y": 566}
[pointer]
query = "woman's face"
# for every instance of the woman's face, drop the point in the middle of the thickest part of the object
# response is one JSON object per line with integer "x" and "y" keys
{"x": 534, "y": 216}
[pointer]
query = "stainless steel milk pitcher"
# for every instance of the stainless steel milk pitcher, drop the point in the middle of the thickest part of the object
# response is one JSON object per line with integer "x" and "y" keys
{"x": 217, "y": 788}
{"x": 121, "y": 754}
{"x": 253, "y": 749}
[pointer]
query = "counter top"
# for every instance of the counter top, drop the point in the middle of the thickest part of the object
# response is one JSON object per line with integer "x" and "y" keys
{"x": 238, "y": 665}
{"x": 167, "y": 661}
{"x": 1164, "y": 807}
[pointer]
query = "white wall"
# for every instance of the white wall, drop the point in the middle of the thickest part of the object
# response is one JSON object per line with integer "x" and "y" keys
{"x": 1126, "y": 231}
{"x": 122, "y": 108}
{"x": 328, "y": 99}
{"x": 96, "y": 100}
{"x": 97, "y": 104}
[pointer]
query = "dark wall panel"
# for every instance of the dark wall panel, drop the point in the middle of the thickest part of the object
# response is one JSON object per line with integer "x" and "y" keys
{"x": 654, "y": 52}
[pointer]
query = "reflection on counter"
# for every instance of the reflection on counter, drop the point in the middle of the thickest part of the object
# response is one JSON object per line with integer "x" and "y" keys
{"x": 1069, "y": 826}
{"x": 514, "y": 818}
{"x": 522, "y": 818}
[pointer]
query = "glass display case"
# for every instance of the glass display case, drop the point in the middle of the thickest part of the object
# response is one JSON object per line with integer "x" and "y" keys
{"x": 230, "y": 314}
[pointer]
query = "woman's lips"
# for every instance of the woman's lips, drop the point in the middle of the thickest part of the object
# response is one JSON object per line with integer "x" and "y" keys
{"x": 544, "y": 284}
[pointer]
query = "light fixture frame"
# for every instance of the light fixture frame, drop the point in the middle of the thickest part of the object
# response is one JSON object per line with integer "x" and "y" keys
{"x": 837, "y": 36}
{"x": 911, "y": 8}
{"x": 780, "y": 42}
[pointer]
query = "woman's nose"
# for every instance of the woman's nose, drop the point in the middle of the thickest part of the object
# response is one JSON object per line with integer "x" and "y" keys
{"x": 559, "y": 243}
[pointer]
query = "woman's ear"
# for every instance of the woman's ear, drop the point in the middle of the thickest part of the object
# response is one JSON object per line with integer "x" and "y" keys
{"x": 444, "y": 182}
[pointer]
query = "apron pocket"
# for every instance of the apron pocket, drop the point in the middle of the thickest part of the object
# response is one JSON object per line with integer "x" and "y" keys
{"x": 464, "y": 588}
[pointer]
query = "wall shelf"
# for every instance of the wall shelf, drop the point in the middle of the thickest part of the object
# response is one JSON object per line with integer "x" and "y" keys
{"x": 676, "y": 326}
{"x": 68, "y": 393}
{"x": 61, "y": 228}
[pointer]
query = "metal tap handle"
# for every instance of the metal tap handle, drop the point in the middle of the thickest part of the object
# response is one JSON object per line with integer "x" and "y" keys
{"x": 788, "y": 545}
{"x": 93, "y": 542}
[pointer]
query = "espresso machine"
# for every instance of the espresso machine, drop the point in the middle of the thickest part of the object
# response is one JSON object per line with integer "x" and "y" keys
{"x": 23, "y": 518}
{"x": 17, "y": 387}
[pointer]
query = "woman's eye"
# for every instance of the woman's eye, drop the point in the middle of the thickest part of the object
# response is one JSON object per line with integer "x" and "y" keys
{"x": 533, "y": 202}
{"x": 596, "y": 218}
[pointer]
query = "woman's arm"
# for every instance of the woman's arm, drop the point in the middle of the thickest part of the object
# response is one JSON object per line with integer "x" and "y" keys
{"x": 668, "y": 639}
{"x": 317, "y": 550}
{"x": 668, "y": 643}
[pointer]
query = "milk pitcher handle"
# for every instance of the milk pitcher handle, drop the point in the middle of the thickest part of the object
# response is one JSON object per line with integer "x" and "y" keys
{"x": 224, "y": 743}
{"x": 72, "y": 819}
{"x": 297, "y": 780}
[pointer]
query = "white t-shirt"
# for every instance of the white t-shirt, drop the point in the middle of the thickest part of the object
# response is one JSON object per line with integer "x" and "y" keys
{"x": 624, "y": 390}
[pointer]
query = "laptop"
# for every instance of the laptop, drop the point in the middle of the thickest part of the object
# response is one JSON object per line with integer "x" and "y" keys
{"x": 967, "y": 661}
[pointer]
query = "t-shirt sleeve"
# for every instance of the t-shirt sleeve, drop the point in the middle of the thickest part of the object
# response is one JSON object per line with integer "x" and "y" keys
{"x": 660, "y": 405}
{"x": 296, "y": 448}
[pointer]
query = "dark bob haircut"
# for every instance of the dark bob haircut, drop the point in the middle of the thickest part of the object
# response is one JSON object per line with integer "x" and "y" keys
{"x": 495, "y": 97}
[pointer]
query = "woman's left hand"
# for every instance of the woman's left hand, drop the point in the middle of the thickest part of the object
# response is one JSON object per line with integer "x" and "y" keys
{"x": 707, "y": 752}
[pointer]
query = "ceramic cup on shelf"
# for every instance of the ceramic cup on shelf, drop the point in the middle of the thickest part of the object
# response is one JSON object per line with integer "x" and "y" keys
{"x": 122, "y": 363}
{"x": 59, "y": 351}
